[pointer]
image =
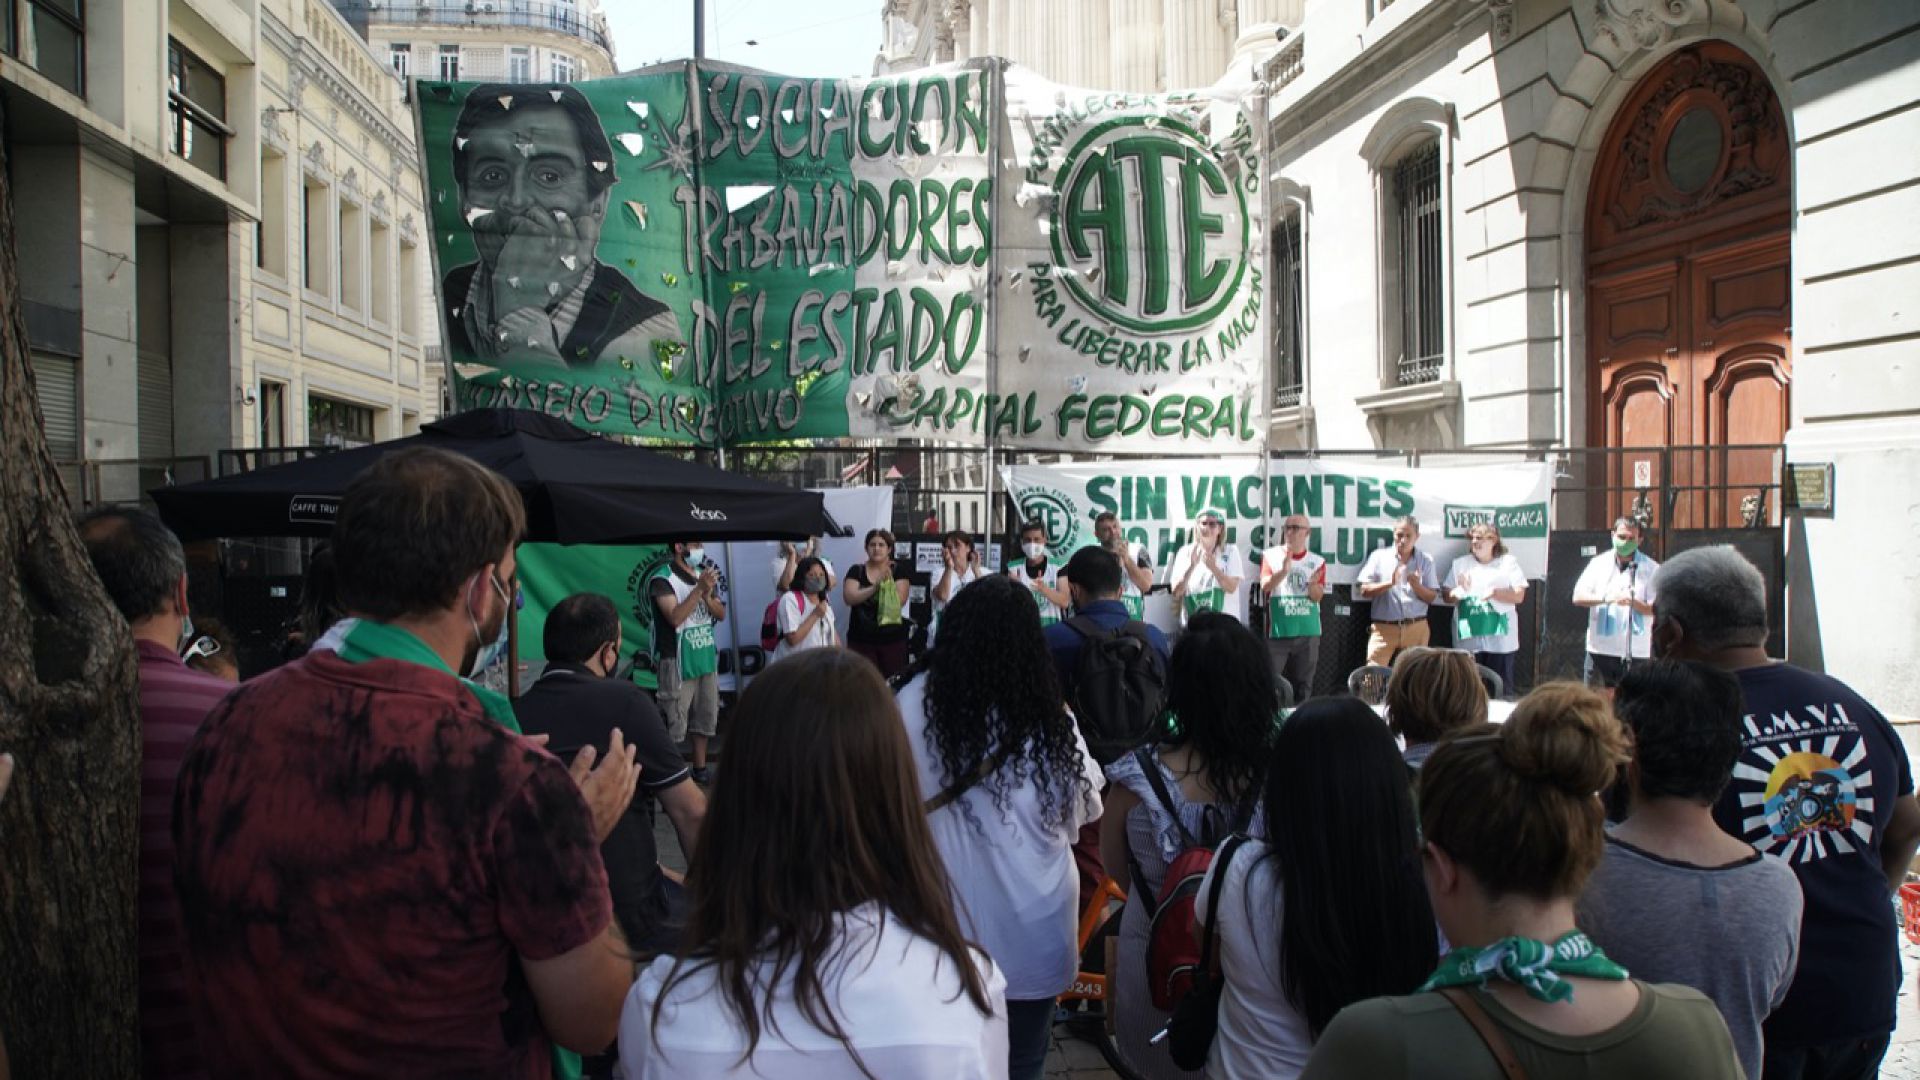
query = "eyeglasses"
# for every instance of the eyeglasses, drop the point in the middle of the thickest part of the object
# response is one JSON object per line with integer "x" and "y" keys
{"x": 204, "y": 648}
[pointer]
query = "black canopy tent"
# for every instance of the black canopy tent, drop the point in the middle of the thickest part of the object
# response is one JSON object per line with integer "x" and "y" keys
{"x": 578, "y": 489}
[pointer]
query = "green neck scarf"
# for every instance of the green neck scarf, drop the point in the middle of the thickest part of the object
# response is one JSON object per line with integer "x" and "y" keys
{"x": 358, "y": 640}
{"x": 1535, "y": 966}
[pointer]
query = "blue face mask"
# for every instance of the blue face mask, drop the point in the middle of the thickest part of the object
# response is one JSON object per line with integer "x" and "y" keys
{"x": 496, "y": 650}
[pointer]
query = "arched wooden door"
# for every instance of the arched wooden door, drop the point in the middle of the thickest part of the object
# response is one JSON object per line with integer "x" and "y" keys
{"x": 1688, "y": 283}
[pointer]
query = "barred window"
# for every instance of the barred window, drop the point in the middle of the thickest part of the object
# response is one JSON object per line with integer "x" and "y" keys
{"x": 196, "y": 111}
{"x": 1416, "y": 191}
{"x": 1290, "y": 322}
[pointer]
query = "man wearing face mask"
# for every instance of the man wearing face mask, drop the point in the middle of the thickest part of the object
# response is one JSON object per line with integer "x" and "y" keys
{"x": 377, "y": 874}
{"x": 805, "y": 617}
{"x": 687, "y": 659}
{"x": 1618, "y": 589}
{"x": 535, "y": 170}
{"x": 1041, "y": 577}
{"x": 577, "y": 704}
{"x": 140, "y": 562}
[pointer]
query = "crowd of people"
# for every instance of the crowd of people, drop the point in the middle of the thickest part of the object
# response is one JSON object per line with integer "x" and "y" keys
{"x": 366, "y": 862}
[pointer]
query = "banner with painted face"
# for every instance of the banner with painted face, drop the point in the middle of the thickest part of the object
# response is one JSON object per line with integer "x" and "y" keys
{"x": 706, "y": 254}
{"x": 1351, "y": 505}
{"x": 1133, "y": 247}
{"x": 709, "y": 254}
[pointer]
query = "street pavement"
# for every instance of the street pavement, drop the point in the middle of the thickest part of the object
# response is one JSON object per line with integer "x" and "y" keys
{"x": 1073, "y": 1059}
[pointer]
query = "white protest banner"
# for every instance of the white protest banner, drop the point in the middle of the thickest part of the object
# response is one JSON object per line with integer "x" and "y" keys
{"x": 1131, "y": 235}
{"x": 1352, "y": 504}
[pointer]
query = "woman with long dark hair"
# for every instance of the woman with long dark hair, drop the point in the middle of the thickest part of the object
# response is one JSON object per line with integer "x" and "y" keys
{"x": 821, "y": 940}
{"x": 1223, "y": 711}
{"x": 1012, "y": 783}
{"x": 1512, "y": 829}
{"x": 1329, "y": 909}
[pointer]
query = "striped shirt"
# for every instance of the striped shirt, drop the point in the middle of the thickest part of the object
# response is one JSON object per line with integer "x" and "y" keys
{"x": 174, "y": 698}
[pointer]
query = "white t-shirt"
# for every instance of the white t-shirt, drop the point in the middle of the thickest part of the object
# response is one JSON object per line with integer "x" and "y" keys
{"x": 1204, "y": 592}
{"x": 1260, "y": 1034}
{"x": 1475, "y": 609}
{"x": 895, "y": 994}
{"x": 790, "y": 614}
{"x": 961, "y": 579}
{"x": 1014, "y": 881}
{"x": 1610, "y": 625}
{"x": 1050, "y": 612}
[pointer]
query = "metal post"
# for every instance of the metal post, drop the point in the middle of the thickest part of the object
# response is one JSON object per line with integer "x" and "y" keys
{"x": 699, "y": 29}
{"x": 996, "y": 76}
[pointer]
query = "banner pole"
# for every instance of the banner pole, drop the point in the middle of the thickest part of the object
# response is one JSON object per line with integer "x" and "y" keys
{"x": 1269, "y": 347}
{"x": 996, "y": 74}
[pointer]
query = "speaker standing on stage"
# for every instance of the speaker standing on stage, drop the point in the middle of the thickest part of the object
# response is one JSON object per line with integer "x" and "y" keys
{"x": 1618, "y": 589}
{"x": 1206, "y": 574}
{"x": 1293, "y": 579}
{"x": 1401, "y": 581}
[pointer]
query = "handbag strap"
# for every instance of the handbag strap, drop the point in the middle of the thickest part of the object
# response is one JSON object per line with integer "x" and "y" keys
{"x": 1209, "y": 955}
{"x": 1488, "y": 1031}
{"x": 1150, "y": 766}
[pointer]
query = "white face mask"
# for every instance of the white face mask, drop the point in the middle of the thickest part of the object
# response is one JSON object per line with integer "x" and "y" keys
{"x": 1034, "y": 551}
{"x": 696, "y": 556}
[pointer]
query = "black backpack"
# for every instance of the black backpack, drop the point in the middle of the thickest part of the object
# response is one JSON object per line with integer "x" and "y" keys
{"x": 1119, "y": 684}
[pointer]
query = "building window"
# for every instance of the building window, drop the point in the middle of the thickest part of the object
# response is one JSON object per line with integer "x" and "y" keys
{"x": 270, "y": 248}
{"x": 519, "y": 64}
{"x": 196, "y": 111}
{"x": 55, "y": 41}
{"x": 407, "y": 290}
{"x": 1419, "y": 256}
{"x": 331, "y": 422}
{"x": 400, "y": 55}
{"x": 353, "y": 255}
{"x": 562, "y": 69}
{"x": 316, "y": 254}
{"x": 449, "y": 63}
{"x": 273, "y": 414}
{"x": 380, "y": 271}
{"x": 1290, "y": 322}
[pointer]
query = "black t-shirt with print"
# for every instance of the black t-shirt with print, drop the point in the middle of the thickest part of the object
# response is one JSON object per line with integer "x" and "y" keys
{"x": 1818, "y": 774}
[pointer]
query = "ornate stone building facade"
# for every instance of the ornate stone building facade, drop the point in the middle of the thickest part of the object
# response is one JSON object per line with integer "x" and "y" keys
{"x": 1589, "y": 230}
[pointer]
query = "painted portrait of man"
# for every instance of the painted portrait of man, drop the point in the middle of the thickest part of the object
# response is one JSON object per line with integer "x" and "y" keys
{"x": 535, "y": 171}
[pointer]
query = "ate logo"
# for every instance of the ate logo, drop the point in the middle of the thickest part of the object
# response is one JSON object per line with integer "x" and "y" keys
{"x": 1152, "y": 226}
{"x": 1055, "y": 513}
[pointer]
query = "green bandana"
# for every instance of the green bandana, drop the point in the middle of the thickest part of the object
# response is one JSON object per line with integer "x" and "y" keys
{"x": 1533, "y": 965}
{"x": 357, "y": 641}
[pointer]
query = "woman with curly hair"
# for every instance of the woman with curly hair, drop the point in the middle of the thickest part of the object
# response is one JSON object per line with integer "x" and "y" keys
{"x": 821, "y": 940}
{"x": 1206, "y": 766}
{"x": 1008, "y": 783}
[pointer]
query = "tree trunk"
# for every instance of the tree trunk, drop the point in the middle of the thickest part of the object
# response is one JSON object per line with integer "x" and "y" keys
{"x": 70, "y": 825}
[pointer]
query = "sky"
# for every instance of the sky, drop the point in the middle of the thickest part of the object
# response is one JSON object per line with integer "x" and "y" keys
{"x": 829, "y": 38}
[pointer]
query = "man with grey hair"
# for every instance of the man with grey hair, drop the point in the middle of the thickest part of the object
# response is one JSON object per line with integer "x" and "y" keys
{"x": 1400, "y": 581}
{"x": 141, "y": 563}
{"x": 1618, "y": 589}
{"x": 1822, "y": 782}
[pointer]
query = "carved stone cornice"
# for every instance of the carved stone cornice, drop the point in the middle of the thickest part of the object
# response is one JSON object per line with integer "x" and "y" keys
{"x": 1627, "y": 25}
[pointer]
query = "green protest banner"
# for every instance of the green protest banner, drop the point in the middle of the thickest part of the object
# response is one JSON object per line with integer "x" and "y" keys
{"x": 709, "y": 254}
{"x": 549, "y": 573}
